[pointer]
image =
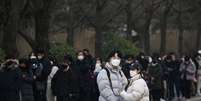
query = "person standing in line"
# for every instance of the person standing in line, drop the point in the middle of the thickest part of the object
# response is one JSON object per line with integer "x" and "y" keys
{"x": 26, "y": 86}
{"x": 86, "y": 82}
{"x": 111, "y": 79}
{"x": 137, "y": 89}
{"x": 55, "y": 68}
{"x": 187, "y": 69}
{"x": 155, "y": 78}
{"x": 65, "y": 83}
{"x": 10, "y": 80}
{"x": 40, "y": 77}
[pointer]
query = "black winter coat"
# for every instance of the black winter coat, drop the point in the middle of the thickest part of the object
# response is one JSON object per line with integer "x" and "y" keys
{"x": 65, "y": 83}
{"x": 26, "y": 85}
{"x": 10, "y": 83}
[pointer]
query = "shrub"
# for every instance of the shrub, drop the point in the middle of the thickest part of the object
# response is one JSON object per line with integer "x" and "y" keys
{"x": 60, "y": 50}
{"x": 112, "y": 41}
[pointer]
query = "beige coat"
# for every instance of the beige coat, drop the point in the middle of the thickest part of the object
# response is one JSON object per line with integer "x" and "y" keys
{"x": 137, "y": 90}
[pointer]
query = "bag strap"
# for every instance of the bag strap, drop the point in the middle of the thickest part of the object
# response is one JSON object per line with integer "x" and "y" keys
{"x": 108, "y": 75}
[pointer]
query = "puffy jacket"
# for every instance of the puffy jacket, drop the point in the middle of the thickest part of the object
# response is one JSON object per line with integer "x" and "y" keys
{"x": 137, "y": 90}
{"x": 188, "y": 71}
{"x": 118, "y": 80}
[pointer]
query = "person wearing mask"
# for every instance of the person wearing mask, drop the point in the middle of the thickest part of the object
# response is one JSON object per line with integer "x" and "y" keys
{"x": 111, "y": 79}
{"x": 88, "y": 57}
{"x": 125, "y": 68}
{"x": 10, "y": 80}
{"x": 41, "y": 75}
{"x": 141, "y": 58}
{"x": 187, "y": 69}
{"x": 155, "y": 80}
{"x": 137, "y": 89}
{"x": 85, "y": 79}
{"x": 198, "y": 65}
{"x": 54, "y": 69}
{"x": 65, "y": 83}
{"x": 169, "y": 74}
{"x": 26, "y": 81}
{"x": 98, "y": 66}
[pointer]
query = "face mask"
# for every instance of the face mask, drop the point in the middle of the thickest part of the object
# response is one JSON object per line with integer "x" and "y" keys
{"x": 33, "y": 57}
{"x": 80, "y": 57}
{"x": 150, "y": 60}
{"x": 115, "y": 62}
{"x": 98, "y": 65}
{"x": 133, "y": 73}
{"x": 40, "y": 57}
{"x": 51, "y": 62}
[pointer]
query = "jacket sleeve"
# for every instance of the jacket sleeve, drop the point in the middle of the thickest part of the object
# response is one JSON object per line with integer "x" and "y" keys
{"x": 53, "y": 71}
{"x": 104, "y": 87}
{"x": 135, "y": 95}
{"x": 192, "y": 69}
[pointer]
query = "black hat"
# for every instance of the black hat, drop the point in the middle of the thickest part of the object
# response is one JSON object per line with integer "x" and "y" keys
{"x": 135, "y": 65}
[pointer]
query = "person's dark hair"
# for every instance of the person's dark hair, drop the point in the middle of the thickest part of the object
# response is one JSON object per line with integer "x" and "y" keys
{"x": 68, "y": 58}
{"x": 112, "y": 54}
{"x": 24, "y": 61}
{"x": 129, "y": 57}
{"x": 187, "y": 58}
{"x": 141, "y": 54}
{"x": 100, "y": 59}
{"x": 54, "y": 60}
{"x": 86, "y": 50}
{"x": 137, "y": 66}
{"x": 79, "y": 52}
{"x": 169, "y": 57}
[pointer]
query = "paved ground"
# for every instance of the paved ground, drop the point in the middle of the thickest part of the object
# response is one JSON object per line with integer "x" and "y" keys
{"x": 195, "y": 99}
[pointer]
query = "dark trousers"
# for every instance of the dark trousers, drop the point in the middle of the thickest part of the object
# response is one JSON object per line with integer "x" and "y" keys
{"x": 9, "y": 97}
{"x": 170, "y": 88}
{"x": 156, "y": 94}
{"x": 40, "y": 95}
{"x": 186, "y": 88}
{"x": 62, "y": 98}
{"x": 178, "y": 87}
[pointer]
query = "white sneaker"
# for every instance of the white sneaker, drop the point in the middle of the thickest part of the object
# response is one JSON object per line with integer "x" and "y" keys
{"x": 162, "y": 99}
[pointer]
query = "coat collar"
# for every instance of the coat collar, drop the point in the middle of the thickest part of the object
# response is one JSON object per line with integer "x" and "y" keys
{"x": 110, "y": 67}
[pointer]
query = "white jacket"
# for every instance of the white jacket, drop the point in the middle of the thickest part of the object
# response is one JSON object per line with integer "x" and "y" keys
{"x": 137, "y": 90}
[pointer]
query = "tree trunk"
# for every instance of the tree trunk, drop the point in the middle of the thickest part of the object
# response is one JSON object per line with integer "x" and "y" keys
{"x": 70, "y": 36}
{"x": 163, "y": 30}
{"x": 42, "y": 29}
{"x": 98, "y": 41}
{"x": 180, "y": 39}
{"x": 198, "y": 39}
{"x": 129, "y": 20}
{"x": 10, "y": 30}
{"x": 147, "y": 34}
{"x": 98, "y": 29}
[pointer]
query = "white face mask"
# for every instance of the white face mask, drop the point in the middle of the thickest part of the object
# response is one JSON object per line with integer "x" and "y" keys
{"x": 33, "y": 57}
{"x": 40, "y": 57}
{"x": 115, "y": 62}
{"x": 133, "y": 73}
{"x": 51, "y": 62}
{"x": 80, "y": 57}
{"x": 98, "y": 65}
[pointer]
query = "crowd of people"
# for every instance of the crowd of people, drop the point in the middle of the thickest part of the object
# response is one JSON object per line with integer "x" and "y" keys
{"x": 120, "y": 77}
